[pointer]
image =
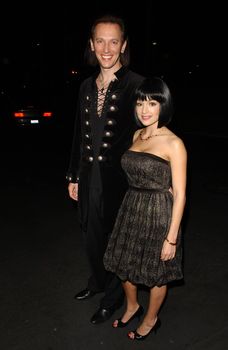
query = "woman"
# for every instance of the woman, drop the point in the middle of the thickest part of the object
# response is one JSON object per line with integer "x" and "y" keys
{"x": 145, "y": 245}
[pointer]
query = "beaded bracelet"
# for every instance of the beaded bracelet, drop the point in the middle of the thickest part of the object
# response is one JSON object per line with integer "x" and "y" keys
{"x": 171, "y": 243}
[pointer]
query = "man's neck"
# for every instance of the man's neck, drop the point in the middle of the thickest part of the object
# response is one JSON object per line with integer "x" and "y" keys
{"x": 108, "y": 74}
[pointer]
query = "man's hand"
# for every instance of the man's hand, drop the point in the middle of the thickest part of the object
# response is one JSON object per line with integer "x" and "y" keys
{"x": 73, "y": 191}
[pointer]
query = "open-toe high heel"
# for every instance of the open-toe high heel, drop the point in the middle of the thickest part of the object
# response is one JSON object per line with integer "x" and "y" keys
{"x": 138, "y": 336}
{"x": 137, "y": 314}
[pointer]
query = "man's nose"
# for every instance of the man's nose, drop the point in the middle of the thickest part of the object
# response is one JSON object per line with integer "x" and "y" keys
{"x": 106, "y": 47}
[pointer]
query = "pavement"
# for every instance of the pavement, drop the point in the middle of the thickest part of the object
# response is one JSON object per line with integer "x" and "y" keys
{"x": 43, "y": 262}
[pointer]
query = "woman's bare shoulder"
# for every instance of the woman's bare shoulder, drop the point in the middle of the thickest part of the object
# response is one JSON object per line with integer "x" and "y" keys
{"x": 176, "y": 148}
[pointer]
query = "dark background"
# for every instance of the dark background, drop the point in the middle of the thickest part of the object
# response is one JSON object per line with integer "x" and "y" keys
{"x": 183, "y": 43}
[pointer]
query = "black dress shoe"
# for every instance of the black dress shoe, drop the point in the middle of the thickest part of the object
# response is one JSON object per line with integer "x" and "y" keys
{"x": 138, "y": 336}
{"x": 137, "y": 314}
{"x": 102, "y": 315}
{"x": 84, "y": 294}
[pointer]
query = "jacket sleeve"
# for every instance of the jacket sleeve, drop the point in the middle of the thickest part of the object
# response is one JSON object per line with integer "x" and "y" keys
{"x": 75, "y": 156}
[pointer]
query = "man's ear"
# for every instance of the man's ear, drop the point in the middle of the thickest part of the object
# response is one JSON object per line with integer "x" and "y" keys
{"x": 123, "y": 47}
{"x": 91, "y": 44}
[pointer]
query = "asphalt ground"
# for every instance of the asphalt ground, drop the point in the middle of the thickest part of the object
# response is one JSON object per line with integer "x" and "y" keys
{"x": 43, "y": 262}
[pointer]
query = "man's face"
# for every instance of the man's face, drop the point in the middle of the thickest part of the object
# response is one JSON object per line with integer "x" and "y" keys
{"x": 107, "y": 44}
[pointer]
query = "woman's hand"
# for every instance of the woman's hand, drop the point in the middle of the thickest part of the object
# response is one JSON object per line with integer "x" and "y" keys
{"x": 168, "y": 251}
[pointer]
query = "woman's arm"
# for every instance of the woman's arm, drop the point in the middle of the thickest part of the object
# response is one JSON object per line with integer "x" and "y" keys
{"x": 178, "y": 161}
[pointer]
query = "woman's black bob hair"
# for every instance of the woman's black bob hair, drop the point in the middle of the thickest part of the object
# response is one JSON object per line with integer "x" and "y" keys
{"x": 155, "y": 89}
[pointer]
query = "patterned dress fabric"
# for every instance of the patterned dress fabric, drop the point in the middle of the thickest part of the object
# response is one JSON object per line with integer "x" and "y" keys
{"x": 142, "y": 224}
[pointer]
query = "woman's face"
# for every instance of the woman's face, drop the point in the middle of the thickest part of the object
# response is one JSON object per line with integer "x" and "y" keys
{"x": 107, "y": 44}
{"x": 148, "y": 111}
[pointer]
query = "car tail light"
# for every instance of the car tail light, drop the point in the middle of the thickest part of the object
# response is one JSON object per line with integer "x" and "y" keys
{"x": 18, "y": 115}
{"x": 47, "y": 114}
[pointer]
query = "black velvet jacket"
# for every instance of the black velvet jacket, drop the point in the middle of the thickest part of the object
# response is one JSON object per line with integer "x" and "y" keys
{"x": 119, "y": 127}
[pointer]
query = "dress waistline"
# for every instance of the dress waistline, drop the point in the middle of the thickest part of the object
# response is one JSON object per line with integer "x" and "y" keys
{"x": 153, "y": 190}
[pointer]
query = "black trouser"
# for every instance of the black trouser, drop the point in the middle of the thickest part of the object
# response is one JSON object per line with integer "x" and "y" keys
{"x": 96, "y": 240}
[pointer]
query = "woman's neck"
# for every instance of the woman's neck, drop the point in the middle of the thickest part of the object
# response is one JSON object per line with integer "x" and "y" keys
{"x": 151, "y": 129}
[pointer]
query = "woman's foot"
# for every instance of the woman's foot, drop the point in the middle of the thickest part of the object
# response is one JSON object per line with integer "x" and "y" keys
{"x": 144, "y": 330}
{"x": 129, "y": 316}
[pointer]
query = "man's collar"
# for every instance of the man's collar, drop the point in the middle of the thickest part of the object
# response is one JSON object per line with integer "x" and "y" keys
{"x": 119, "y": 73}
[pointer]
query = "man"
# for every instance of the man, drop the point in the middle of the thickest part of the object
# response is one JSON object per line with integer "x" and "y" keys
{"x": 103, "y": 131}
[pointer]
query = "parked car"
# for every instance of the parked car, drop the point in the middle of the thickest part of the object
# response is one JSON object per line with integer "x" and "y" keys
{"x": 32, "y": 115}
{"x": 32, "y": 108}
